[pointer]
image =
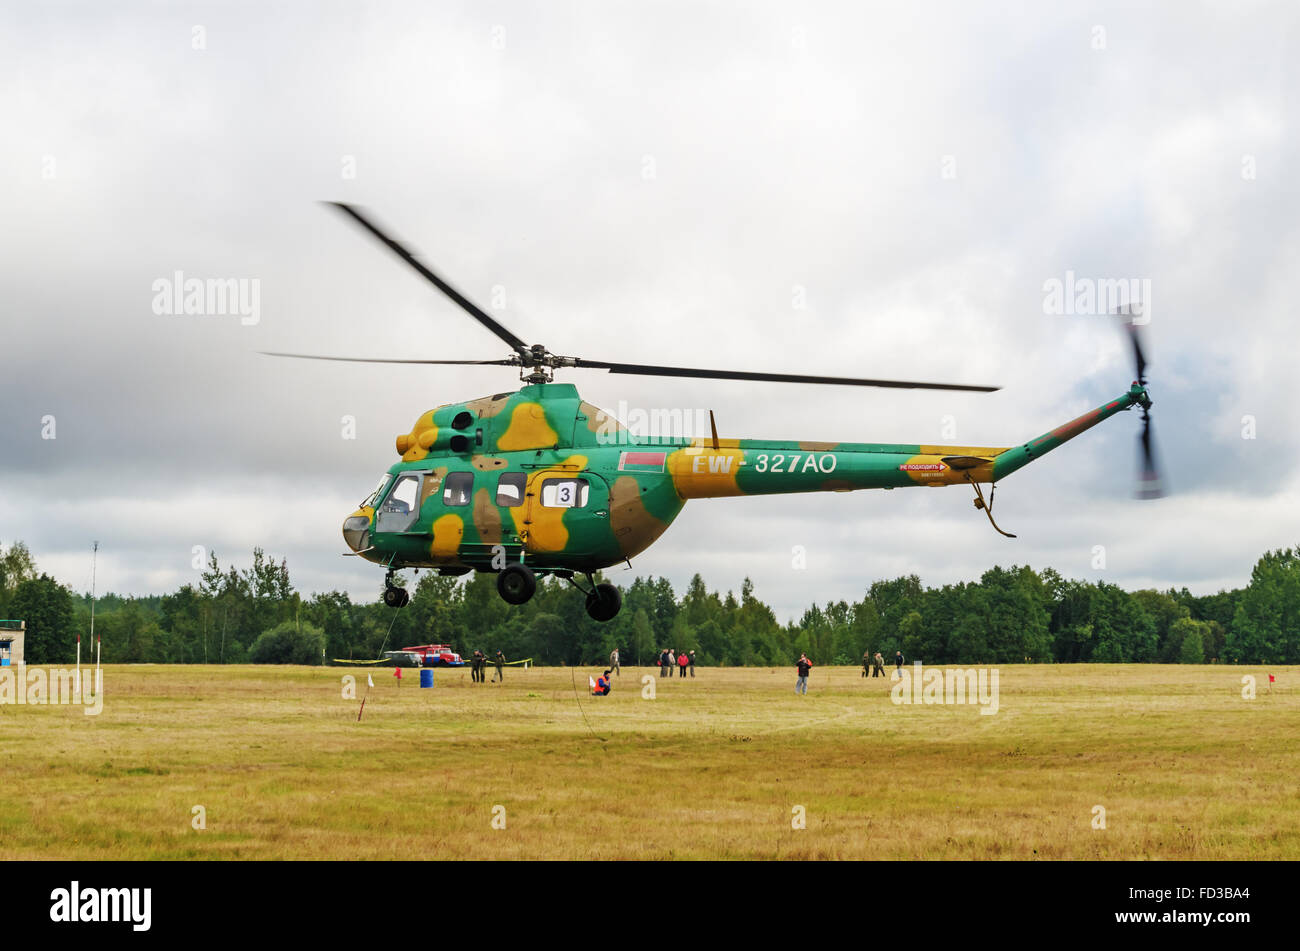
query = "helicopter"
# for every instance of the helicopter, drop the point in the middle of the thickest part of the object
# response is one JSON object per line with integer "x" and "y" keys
{"x": 537, "y": 481}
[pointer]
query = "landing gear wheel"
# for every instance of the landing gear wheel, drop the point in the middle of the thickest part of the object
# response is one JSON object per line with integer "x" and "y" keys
{"x": 396, "y": 597}
{"x": 516, "y": 583}
{"x": 604, "y": 602}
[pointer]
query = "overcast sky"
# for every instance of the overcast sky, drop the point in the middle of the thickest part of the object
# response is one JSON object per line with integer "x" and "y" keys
{"x": 658, "y": 183}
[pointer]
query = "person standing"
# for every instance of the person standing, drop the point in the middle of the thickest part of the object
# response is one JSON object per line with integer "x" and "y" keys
{"x": 613, "y": 662}
{"x": 866, "y": 662}
{"x": 692, "y": 663}
{"x": 499, "y": 660}
{"x": 682, "y": 661}
{"x": 476, "y": 666}
{"x": 898, "y": 662}
{"x": 803, "y": 666}
{"x": 879, "y": 669}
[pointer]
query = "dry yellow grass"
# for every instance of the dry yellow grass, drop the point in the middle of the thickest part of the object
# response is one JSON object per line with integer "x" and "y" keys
{"x": 711, "y": 768}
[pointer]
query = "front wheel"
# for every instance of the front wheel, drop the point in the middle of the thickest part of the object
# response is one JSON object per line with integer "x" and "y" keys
{"x": 604, "y": 602}
{"x": 516, "y": 583}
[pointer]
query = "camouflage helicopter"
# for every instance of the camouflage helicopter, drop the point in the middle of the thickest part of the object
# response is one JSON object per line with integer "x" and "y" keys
{"x": 539, "y": 482}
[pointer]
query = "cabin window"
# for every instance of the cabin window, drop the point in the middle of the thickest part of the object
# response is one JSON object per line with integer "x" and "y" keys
{"x": 457, "y": 488}
{"x": 399, "y": 509}
{"x": 510, "y": 489}
{"x": 564, "y": 493}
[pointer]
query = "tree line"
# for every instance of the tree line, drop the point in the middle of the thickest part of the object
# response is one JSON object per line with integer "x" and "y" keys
{"x": 1010, "y": 615}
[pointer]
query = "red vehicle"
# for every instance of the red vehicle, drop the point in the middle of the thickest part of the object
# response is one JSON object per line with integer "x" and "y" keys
{"x": 426, "y": 655}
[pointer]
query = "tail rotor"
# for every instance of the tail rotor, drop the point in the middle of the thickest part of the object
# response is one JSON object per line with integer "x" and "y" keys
{"x": 1149, "y": 483}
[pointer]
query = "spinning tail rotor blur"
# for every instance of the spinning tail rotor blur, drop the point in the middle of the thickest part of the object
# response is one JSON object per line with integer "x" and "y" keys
{"x": 1149, "y": 483}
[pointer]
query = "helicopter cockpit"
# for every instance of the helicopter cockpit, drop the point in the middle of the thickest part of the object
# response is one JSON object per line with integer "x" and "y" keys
{"x": 399, "y": 508}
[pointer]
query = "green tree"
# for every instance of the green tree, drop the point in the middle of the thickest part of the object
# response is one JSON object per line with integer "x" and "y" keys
{"x": 289, "y": 642}
{"x": 46, "y": 606}
{"x": 16, "y": 566}
{"x": 1266, "y": 624}
{"x": 1190, "y": 650}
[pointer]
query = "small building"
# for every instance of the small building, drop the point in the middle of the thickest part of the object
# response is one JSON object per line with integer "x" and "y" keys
{"x": 11, "y": 642}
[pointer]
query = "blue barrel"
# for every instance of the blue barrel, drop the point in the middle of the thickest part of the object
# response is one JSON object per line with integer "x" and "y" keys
{"x": 426, "y": 676}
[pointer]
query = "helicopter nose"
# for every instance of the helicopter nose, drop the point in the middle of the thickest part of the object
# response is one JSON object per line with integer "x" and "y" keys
{"x": 355, "y": 529}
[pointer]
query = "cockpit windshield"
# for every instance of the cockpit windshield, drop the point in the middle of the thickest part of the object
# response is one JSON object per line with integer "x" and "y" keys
{"x": 378, "y": 494}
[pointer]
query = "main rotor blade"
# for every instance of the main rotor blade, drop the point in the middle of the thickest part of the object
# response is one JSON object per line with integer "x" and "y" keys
{"x": 464, "y": 302}
{"x": 308, "y": 356}
{"x": 647, "y": 370}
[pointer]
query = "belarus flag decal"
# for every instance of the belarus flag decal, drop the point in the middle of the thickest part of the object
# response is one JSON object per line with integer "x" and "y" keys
{"x": 641, "y": 461}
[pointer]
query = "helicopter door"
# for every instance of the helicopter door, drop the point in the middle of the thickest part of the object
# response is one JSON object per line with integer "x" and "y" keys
{"x": 399, "y": 509}
{"x": 562, "y": 507}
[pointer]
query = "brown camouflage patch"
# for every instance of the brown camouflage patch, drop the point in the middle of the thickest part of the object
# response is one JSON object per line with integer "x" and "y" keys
{"x": 487, "y": 463}
{"x": 634, "y": 528}
{"x": 487, "y": 518}
{"x": 488, "y": 406}
{"x": 598, "y": 421}
{"x": 432, "y": 483}
{"x": 837, "y": 485}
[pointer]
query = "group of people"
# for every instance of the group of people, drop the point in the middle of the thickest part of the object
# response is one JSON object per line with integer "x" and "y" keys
{"x": 669, "y": 658}
{"x": 876, "y": 663}
{"x": 873, "y": 662}
{"x": 478, "y": 667}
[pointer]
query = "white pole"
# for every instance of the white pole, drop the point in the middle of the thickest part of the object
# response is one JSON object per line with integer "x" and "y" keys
{"x": 93, "y": 558}
{"x": 76, "y": 687}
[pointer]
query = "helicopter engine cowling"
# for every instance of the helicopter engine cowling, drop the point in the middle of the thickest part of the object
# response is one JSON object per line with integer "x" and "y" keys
{"x": 436, "y": 440}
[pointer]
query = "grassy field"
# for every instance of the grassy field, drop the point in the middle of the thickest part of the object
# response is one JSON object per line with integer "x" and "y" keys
{"x": 714, "y": 767}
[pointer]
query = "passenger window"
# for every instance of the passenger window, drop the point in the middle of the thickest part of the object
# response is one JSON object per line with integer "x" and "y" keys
{"x": 457, "y": 488}
{"x": 564, "y": 493}
{"x": 510, "y": 489}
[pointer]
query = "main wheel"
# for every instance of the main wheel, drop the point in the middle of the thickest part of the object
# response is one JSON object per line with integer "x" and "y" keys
{"x": 396, "y": 597}
{"x": 604, "y": 602}
{"x": 516, "y": 583}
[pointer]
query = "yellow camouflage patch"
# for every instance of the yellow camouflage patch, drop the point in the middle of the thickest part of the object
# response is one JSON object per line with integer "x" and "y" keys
{"x": 699, "y": 473}
{"x": 528, "y": 429}
{"x": 540, "y": 527}
{"x": 447, "y": 534}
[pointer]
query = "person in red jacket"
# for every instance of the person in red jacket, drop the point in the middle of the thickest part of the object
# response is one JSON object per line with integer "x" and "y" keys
{"x": 602, "y": 685}
{"x": 682, "y": 661}
{"x": 803, "y": 665}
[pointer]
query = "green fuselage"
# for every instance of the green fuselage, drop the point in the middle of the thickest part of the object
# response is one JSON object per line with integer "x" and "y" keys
{"x": 540, "y": 476}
